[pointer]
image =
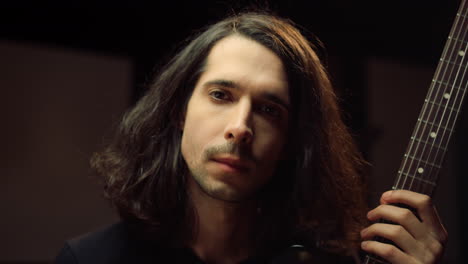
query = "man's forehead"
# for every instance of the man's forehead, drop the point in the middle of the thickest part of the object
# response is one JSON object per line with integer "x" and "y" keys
{"x": 245, "y": 64}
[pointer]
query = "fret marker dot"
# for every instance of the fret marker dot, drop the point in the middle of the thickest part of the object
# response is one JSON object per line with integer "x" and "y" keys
{"x": 461, "y": 53}
{"x": 433, "y": 134}
{"x": 447, "y": 96}
{"x": 420, "y": 170}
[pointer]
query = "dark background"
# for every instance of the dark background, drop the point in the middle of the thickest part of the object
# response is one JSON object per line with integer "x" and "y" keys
{"x": 149, "y": 32}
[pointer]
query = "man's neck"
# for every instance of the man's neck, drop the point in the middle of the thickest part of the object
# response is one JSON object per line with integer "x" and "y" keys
{"x": 223, "y": 229}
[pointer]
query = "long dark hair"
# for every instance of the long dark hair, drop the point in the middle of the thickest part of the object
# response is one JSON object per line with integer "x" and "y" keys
{"x": 317, "y": 193}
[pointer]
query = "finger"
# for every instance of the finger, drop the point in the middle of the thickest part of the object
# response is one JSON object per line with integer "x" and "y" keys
{"x": 389, "y": 252}
{"x": 401, "y": 216}
{"x": 423, "y": 204}
{"x": 396, "y": 233}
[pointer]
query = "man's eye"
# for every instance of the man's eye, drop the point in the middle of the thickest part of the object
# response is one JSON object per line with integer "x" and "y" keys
{"x": 219, "y": 95}
{"x": 270, "y": 110}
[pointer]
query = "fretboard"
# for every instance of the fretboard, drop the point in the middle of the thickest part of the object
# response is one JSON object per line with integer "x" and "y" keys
{"x": 435, "y": 126}
{"x": 425, "y": 154}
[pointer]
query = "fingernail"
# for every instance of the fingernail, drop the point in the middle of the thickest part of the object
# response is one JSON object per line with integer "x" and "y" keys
{"x": 364, "y": 244}
{"x": 386, "y": 195}
{"x": 363, "y": 232}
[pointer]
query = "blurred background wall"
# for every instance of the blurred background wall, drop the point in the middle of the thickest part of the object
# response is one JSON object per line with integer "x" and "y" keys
{"x": 57, "y": 105}
{"x": 69, "y": 70}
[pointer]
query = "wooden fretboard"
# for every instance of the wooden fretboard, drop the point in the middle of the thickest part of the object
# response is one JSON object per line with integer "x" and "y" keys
{"x": 424, "y": 156}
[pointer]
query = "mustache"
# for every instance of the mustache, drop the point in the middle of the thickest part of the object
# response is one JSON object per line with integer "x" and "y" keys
{"x": 229, "y": 148}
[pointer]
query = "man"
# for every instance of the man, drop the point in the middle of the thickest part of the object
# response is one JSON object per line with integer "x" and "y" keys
{"x": 238, "y": 154}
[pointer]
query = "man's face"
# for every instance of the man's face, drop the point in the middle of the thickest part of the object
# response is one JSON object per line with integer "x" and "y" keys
{"x": 236, "y": 121}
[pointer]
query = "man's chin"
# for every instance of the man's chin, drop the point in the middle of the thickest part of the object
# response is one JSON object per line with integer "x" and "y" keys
{"x": 227, "y": 193}
{"x": 222, "y": 187}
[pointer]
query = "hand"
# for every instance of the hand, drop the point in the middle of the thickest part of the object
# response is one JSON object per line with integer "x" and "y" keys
{"x": 419, "y": 240}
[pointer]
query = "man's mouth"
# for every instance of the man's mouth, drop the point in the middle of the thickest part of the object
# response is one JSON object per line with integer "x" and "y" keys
{"x": 232, "y": 164}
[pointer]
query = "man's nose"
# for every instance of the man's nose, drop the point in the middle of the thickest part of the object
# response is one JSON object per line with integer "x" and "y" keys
{"x": 239, "y": 128}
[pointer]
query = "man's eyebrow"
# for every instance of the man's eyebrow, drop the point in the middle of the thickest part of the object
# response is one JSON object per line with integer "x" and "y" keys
{"x": 231, "y": 84}
{"x": 221, "y": 82}
{"x": 275, "y": 99}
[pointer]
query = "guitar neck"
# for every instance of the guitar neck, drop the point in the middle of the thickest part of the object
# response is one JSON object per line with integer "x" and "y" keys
{"x": 431, "y": 136}
{"x": 425, "y": 153}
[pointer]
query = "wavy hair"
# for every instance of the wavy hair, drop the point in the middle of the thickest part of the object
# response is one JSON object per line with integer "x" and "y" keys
{"x": 317, "y": 193}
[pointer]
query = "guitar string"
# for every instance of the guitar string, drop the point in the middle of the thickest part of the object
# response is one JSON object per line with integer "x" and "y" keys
{"x": 462, "y": 83}
{"x": 453, "y": 79}
{"x": 368, "y": 258}
{"x": 405, "y": 171}
{"x": 419, "y": 133}
{"x": 422, "y": 129}
{"x": 441, "y": 108}
{"x": 461, "y": 91}
{"x": 431, "y": 93}
{"x": 450, "y": 121}
{"x": 465, "y": 66}
{"x": 446, "y": 120}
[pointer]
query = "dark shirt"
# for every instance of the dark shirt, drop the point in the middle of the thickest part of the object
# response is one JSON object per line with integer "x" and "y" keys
{"x": 116, "y": 245}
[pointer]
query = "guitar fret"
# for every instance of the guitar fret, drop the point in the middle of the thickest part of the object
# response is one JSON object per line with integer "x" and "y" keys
{"x": 453, "y": 63}
{"x": 443, "y": 106}
{"x": 428, "y": 143}
{"x": 450, "y": 85}
{"x": 424, "y": 152}
{"x": 435, "y": 125}
{"x": 450, "y": 80}
{"x": 446, "y": 96}
{"x": 444, "y": 119}
{"x": 459, "y": 40}
{"x": 423, "y": 161}
{"x": 458, "y": 14}
{"x": 370, "y": 260}
{"x": 431, "y": 136}
{"x": 417, "y": 178}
